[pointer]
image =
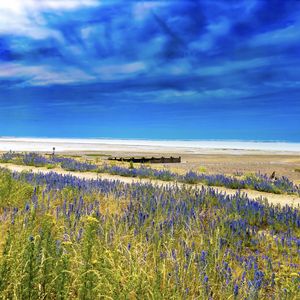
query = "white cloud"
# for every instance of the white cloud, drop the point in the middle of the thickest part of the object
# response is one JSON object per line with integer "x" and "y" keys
{"x": 18, "y": 6}
{"x": 23, "y": 17}
{"x": 282, "y": 36}
{"x": 189, "y": 96}
{"x": 234, "y": 66}
{"x": 15, "y": 70}
{"x": 44, "y": 75}
{"x": 115, "y": 71}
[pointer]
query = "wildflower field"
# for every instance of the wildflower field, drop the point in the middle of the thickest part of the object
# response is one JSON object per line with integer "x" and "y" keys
{"x": 259, "y": 182}
{"x": 68, "y": 238}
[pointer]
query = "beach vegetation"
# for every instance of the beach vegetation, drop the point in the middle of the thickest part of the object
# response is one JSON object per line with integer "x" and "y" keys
{"x": 202, "y": 169}
{"x": 69, "y": 238}
{"x": 258, "y": 181}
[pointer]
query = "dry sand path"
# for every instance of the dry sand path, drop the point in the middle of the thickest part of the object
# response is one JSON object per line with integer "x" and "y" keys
{"x": 292, "y": 200}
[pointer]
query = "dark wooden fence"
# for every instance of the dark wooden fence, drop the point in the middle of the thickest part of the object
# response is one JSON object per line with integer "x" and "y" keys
{"x": 152, "y": 160}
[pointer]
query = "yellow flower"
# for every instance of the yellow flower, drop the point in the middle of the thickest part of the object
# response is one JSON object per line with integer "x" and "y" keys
{"x": 91, "y": 220}
{"x": 67, "y": 243}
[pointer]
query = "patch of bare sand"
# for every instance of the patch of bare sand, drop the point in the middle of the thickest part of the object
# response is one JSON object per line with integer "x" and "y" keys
{"x": 211, "y": 163}
{"x": 292, "y": 200}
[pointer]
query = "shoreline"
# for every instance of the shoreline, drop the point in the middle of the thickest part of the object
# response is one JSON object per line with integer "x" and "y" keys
{"x": 149, "y": 146}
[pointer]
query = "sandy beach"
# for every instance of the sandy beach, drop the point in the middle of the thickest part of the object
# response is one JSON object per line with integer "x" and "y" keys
{"x": 212, "y": 157}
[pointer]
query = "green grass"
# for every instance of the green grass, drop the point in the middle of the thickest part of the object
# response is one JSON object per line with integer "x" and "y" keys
{"x": 141, "y": 242}
{"x": 13, "y": 193}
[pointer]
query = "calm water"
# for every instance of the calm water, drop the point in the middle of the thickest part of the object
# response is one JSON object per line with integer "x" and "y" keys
{"x": 46, "y": 144}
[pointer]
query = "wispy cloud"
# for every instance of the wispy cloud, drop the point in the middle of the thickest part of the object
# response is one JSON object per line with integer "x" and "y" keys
{"x": 192, "y": 55}
{"x": 72, "y": 41}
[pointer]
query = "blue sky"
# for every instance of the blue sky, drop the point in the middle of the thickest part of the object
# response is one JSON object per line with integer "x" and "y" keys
{"x": 150, "y": 69}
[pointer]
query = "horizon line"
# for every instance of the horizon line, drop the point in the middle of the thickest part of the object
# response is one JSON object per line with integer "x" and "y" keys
{"x": 150, "y": 139}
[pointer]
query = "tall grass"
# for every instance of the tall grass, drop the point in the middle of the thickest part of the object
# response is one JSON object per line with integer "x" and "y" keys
{"x": 68, "y": 238}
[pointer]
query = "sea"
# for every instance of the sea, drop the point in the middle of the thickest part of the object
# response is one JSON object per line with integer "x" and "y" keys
{"x": 143, "y": 145}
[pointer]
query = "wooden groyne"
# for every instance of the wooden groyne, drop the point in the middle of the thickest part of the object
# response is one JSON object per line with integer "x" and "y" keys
{"x": 151, "y": 160}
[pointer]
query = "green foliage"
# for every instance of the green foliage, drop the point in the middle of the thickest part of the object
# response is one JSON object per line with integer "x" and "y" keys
{"x": 162, "y": 244}
{"x": 202, "y": 169}
{"x": 49, "y": 167}
{"x": 13, "y": 193}
{"x": 131, "y": 165}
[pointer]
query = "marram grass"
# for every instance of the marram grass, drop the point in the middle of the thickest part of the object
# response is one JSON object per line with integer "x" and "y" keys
{"x": 68, "y": 238}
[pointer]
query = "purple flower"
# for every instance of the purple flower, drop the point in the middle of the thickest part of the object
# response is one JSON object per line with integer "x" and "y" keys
{"x": 203, "y": 256}
{"x": 236, "y": 290}
{"x": 27, "y": 207}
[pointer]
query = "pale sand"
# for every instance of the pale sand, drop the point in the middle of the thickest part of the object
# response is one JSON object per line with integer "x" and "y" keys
{"x": 143, "y": 146}
{"x": 275, "y": 199}
{"x": 216, "y": 156}
{"x": 211, "y": 157}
